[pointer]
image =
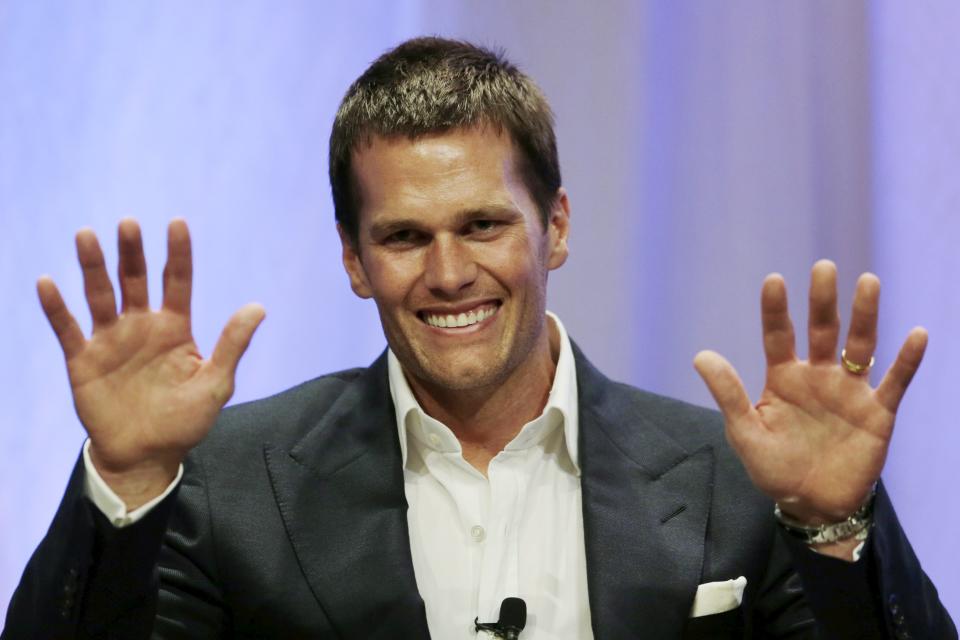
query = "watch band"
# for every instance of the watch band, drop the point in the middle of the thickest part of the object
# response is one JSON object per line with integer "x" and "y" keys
{"x": 857, "y": 525}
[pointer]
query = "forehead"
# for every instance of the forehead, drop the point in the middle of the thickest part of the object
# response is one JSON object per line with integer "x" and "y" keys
{"x": 442, "y": 172}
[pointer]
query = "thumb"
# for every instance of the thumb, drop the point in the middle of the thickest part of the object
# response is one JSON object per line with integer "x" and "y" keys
{"x": 235, "y": 338}
{"x": 724, "y": 384}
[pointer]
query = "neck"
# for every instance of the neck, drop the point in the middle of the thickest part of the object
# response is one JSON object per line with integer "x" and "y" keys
{"x": 486, "y": 419}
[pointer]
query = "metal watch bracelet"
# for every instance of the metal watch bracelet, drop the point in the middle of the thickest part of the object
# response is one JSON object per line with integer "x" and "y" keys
{"x": 857, "y": 525}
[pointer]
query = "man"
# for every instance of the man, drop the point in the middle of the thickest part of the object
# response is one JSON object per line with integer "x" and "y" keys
{"x": 482, "y": 456}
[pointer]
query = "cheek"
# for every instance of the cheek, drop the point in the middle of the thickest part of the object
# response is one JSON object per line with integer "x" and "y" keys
{"x": 520, "y": 263}
{"x": 393, "y": 278}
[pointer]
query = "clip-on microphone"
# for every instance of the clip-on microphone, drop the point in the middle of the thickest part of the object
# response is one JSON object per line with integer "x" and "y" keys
{"x": 513, "y": 618}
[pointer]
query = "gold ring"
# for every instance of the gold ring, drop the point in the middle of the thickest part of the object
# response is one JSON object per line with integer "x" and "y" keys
{"x": 853, "y": 367}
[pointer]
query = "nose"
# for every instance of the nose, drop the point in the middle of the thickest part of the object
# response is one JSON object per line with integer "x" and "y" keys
{"x": 450, "y": 267}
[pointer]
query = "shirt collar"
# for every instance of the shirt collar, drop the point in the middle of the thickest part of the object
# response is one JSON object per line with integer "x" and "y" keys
{"x": 562, "y": 399}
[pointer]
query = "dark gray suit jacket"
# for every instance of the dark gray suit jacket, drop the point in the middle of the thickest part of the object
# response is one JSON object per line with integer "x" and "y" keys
{"x": 290, "y": 522}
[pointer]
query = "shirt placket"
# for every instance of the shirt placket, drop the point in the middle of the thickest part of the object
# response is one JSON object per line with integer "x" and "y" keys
{"x": 499, "y": 568}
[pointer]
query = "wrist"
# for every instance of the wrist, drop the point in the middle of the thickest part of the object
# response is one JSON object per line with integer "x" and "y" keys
{"x": 137, "y": 484}
{"x": 819, "y": 533}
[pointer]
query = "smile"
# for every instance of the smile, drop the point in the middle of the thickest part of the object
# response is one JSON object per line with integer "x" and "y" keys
{"x": 459, "y": 320}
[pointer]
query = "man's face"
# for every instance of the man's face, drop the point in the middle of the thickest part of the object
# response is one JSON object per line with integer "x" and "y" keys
{"x": 452, "y": 249}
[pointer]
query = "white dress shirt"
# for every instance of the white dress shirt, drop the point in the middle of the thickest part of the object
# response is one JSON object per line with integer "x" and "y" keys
{"x": 475, "y": 540}
{"x": 518, "y": 532}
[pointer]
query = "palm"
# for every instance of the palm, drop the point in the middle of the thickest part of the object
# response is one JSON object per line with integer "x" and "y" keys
{"x": 140, "y": 386}
{"x": 817, "y": 439}
{"x": 821, "y": 424}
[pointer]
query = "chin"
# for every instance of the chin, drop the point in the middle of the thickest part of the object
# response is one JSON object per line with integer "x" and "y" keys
{"x": 454, "y": 377}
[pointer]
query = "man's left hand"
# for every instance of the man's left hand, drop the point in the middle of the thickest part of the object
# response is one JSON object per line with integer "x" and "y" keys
{"x": 817, "y": 439}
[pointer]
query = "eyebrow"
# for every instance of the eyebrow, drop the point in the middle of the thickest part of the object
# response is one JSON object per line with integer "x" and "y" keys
{"x": 385, "y": 229}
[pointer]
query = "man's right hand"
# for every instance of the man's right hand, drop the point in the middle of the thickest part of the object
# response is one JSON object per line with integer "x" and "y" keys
{"x": 142, "y": 390}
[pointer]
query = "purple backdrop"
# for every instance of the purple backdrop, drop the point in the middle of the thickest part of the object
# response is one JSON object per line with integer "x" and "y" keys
{"x": 703, "y": 144}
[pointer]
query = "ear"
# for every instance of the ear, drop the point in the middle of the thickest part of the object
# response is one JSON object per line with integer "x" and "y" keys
{"x": 354, "y": 266}
{"x": 558, "y": 228}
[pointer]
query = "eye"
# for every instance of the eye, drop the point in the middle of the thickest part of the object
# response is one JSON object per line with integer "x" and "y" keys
{"x": 403, "y": 236}
{"x": 483, "y": 227}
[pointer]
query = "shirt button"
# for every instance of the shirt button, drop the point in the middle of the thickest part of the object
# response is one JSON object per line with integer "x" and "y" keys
{"x": 477, "y": 533}
{"x": 434, "y": 439}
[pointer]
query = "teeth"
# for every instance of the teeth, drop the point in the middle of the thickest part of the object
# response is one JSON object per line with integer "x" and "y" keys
{"x": 460, "y": 320}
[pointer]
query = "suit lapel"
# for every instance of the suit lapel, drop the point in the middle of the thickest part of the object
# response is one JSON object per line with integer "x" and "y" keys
{"x": 645, "y": 506}
{"x": 341, "y": 496}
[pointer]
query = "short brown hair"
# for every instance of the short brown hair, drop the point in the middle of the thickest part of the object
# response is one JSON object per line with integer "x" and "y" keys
{"x": 431, "y": 85}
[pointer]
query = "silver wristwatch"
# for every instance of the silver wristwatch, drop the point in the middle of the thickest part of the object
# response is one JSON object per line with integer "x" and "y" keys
{"x": 857, "y": 525}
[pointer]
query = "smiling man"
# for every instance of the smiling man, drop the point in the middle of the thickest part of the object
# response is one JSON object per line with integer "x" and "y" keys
{"x": 455, "y": 252}
{"x": 482, "y": 456}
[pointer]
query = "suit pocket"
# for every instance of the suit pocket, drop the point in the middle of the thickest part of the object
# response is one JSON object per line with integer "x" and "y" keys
{"x": 728, "y": 624}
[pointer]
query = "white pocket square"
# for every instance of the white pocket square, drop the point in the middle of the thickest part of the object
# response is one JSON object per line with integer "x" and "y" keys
{"x": 717, "y": 597}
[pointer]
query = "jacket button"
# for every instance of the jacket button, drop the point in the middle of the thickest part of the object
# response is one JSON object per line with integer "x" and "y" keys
{"x": 893, "y": 604}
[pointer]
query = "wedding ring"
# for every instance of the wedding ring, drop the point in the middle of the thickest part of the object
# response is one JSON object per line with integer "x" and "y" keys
{"x": 853, "y": 367}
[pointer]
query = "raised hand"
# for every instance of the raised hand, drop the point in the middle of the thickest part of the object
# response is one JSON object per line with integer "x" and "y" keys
{"x": 142, "y": 390}
{"x": 817, "y": 439}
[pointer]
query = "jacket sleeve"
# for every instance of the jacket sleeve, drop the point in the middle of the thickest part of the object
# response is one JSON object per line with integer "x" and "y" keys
{"x": 884, "y": 595}
{"x": 90, "y": 580}
{"x": 87, "y": 577}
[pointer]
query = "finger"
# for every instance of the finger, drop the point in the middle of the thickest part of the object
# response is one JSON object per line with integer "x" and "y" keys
{"x": 64, "y": 324}
{"x": 778, "y": 338}
{"x": 901, "y": 372}
{"x": 862, "y": 335}
{"x": 96, "y": 282}
{"x": 132, "y": 270}
{"x": 823, "y": 328}
{"x": 178, "y": 272}
{"x": 235, "y": 338}
{"x": 724, "y": 384}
